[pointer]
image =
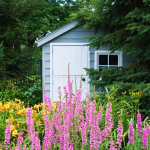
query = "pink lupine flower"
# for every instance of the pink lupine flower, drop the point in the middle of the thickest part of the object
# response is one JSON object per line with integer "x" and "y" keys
{"x": 83, "y": 134}
{"x": 35, "y": 142}
{"x": 59, "y": 92}
{"x": 65, "y": 131}
{"x": 66, "y": 95}
{"x": 112, "y": 145}
{"x": 7, "y": 136}
{"x": 100, "y": 112}
{"x": 78, "y": 106}
{"x": 139, "y": 124}
{"x": 131, "y": 134}
{"x": 30, "y": 125}
{"x": 25, "y": 148}
{"x": 92, "y": 137}
{"x": 108, "y": 120}
{"x": 20, "y": 141}
{"x": 47, "y": 102}
{"x": 87, "y": 113}
{"x": 148, "y": 129}
{"x": 145, "y": 138}
{"x": 98, "y": 137}
{"x": 48, "y": 133}
{"x": 88, "y": 97}
{"x": 120, "y": 133}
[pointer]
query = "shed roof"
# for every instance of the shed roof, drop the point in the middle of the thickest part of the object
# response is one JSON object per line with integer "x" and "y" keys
{"x": 57, "y": 32}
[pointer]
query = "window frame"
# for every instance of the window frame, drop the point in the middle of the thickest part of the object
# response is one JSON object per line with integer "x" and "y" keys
{"x": 106, "y": 52}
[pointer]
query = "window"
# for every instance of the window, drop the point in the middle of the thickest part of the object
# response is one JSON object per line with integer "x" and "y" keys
{"x": 103, "y": 59}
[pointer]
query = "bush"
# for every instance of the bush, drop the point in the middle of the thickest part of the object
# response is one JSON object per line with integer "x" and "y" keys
{"x": 29, "y": 94}
{"x": 77, "y": 124}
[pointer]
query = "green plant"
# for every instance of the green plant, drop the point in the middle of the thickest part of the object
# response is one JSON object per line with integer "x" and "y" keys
{"x": 33, "y": 94}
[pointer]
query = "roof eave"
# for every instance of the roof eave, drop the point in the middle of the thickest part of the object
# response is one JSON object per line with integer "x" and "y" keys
{"x": 57, "y": 33}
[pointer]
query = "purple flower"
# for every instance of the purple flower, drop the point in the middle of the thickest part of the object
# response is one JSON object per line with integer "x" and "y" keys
{"x": 131, "y": 134}
{"x": 100, "y": 113}
{"x": 35, "y": 142}
{"x": 120, "y": 133}
{"x": 148, "y": 129}
{"x": 139, "y": 124}
{"x": 30, "y": 125}
{"x": 48, "y": 133}
{"x": 20, "y": 141}
{"x": 92, "y": 137}
{"x": 145, "y": 138}
{"x": 108, "y": 121}
{"x": 112, "y": 145}
{"x": 7, "y": 136}
{"x": 83, "y": 134}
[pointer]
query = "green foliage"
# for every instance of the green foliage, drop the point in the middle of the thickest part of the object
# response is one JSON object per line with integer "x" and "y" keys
{"x": 9, "y": 92}
{"x": 30, "y": 94}
{"x": 124, "y": 79}
{"x": 126, "y": 28}
{"x": 33, "y": 95}
{"x": 22, "y": 23}
{"x": 125, "y": 25}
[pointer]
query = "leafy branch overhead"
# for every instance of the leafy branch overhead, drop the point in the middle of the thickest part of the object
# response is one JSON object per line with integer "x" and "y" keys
{"x": 21, "y": 23}
{"x": 126, "y": 26}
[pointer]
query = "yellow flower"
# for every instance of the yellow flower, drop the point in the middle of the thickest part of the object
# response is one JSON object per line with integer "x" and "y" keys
{"x": 139, "y": 93}
{"x": 17, "y": 100}
{"x": 11, "y": 111}
{"x": 8, "y": 120}
{"x": 136, "y": 100}
{"x": 17, "y": 125}
{"x": 19, "y": 112}
{"x": 36, "y": 106}
{"x": 43, "y": 112}
{"x": 125, "y": 134}
{"x": 12, "y": 127}
{"x": 15, "y": 132}
{"x": 38, "y": 122}
{"x": 6, "y": 106}
{"x": 133, "y": 94}
{"x": 95, "y": 94}
{"x": 106, "y": 95}
{"x": 17, "y": 107}
{"x": 34, "y": 112}
{"x": 42, "y": 105}
{"x": 9, "y": 103}
{"x": 1, "y": 104}
{"x": 54, "y": 105}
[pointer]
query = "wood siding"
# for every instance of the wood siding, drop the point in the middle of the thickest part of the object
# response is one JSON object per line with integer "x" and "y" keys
{"x": 75, "y": 35}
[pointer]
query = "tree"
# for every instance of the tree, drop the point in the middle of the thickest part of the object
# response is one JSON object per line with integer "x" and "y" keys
{"x": 126, "y": 27}
{"x": 21, "y": 23}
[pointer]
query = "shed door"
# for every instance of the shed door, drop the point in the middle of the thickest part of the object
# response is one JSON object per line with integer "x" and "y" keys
{"x": 77, "y": 56}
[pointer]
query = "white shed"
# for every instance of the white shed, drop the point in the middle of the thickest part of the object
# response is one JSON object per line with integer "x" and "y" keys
{"x": 66, "y": 45}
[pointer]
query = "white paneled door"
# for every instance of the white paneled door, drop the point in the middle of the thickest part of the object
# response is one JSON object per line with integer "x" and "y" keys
{"x": 62, "y": 55}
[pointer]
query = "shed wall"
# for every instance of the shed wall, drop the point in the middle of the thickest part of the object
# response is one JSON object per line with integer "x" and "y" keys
{"x": 75, "y": 35}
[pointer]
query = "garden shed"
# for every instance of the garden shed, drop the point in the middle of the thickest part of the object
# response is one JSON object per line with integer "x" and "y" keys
{"x": 66, "y": 45}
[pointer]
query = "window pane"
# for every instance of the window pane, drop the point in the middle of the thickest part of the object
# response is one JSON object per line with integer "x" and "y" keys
{"x": 113, "y": 59}
{"x": 103, "y": 59}
{"x": 100, "y": 67}
{"x": 113, "y": 66}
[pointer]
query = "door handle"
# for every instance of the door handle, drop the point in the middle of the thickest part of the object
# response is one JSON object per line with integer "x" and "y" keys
{"x": 83, "y": 79}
